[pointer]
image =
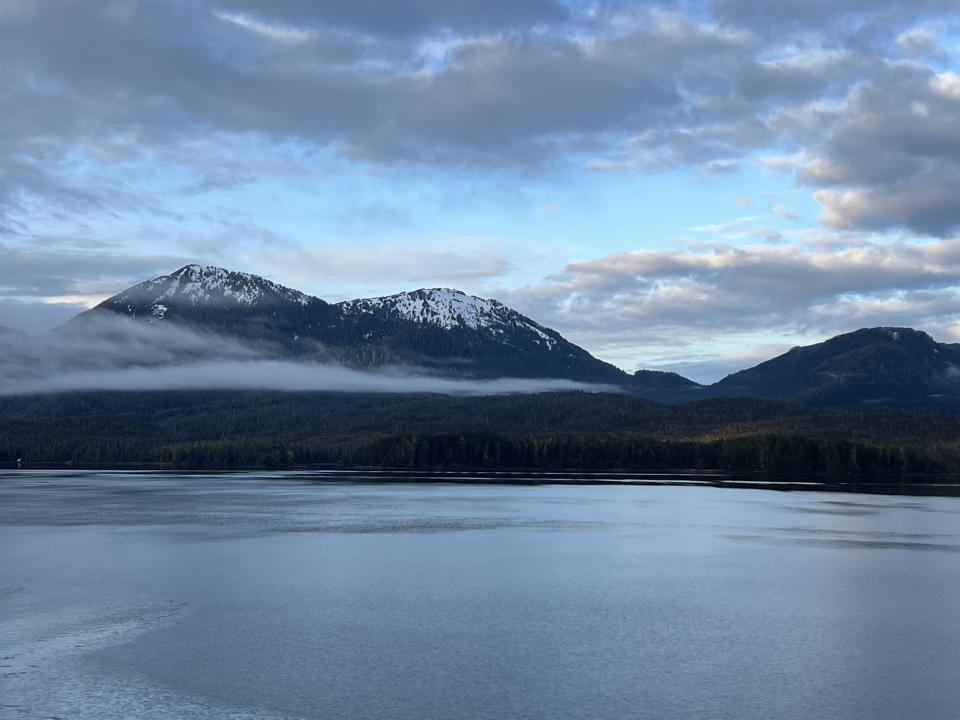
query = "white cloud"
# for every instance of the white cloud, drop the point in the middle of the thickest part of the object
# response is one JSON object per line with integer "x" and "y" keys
{"x": 635, "y": 307}
{"x": 142, "y": 356}
{"x": 273, "y": 31}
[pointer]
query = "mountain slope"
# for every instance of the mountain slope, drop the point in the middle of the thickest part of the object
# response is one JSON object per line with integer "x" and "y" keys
{"x": 224, "y": 302}
{"x": 895, "y": 366}
{"x": 436, "y": 326}
{"x": 204, "y": 285}
{"x": 450, "y": 333}
{"x": 440, "y": 330}
{"x": 665, "y": 386}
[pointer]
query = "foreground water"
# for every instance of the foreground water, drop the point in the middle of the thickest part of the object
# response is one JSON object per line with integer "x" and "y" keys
{"x": 131, "y": 595}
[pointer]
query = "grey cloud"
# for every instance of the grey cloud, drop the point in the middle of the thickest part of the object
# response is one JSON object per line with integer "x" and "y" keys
{"x": 32, "y": 317}
{"x": 82, "y": 72}
{"x": 880, "y": 138}
{"x": 511, "y": 100}
{"x": 892, "y": 156}
{"x": 925, "y": 202}
{"x": 121, "y": 354}
{"x": 917, "y": 308}
{"x": 44, "y": 273}
{"x": 519, "y": 85}
{"x": 414, "y": 17}
{"x": 810, "y": 73}
{"x": 922, "y": 42}
{"x": 624, "y": 299}
{"x": 104, "y": 346}
{"x": 669, "y": 148}
{"x": 834, "y": 15}
{"x": 42, "y": 288}
{"x": 750, "y": 104}
{"x": 287, "y": 377}
{"x": 23, "y": 179}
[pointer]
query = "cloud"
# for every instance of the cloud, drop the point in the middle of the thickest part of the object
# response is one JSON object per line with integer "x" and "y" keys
{"x": 287, "y": 377}
{"x": 822, "y": 286}
{"x": 497, "y": 93}
{"x": 877, "y": 138}
{"x": 115, "y": 353}
{"x": 858, "y": 17}
{"x": 416, "y": 18}
{"x": 523, "y": 85}
{"x": 891, "y": 155}
{"x": 31, "y": 316}
{"x": 46, "y": 274}
{"x": 922, "y": 42}
{"x": 33, "y": 281}
{"x": 129, "y": 110}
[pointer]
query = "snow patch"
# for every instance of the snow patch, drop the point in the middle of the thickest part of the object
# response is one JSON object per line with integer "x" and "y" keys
{"x": 201, "y": 284}
{"x": 450, "y": 309}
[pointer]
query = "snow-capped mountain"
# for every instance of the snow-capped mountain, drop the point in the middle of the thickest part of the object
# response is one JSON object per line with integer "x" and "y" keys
{"x": 441, "y": 330}
{"x": 451, "y": 333}
{"x": 477, "y": 335}
{"x": 202, "y": 286}
{"x": 453, "y": 309}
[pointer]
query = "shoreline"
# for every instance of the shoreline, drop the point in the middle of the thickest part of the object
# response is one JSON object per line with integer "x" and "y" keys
{"x": 919, "y": 485}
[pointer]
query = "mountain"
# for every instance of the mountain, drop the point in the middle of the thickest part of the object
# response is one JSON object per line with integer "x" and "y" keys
{"x": 200, "y": 286}
{"x": 441, "y": 330}
{"x": 665, "y": 386}
{"x": 891, "y": 366}
{"x": 450, "y": 333}
{"x": 224, "y": 302}
{"x": 436, "y": 327}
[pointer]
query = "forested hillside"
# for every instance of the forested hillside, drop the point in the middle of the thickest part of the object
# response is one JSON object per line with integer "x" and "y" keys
{"x": 553, "y": 430}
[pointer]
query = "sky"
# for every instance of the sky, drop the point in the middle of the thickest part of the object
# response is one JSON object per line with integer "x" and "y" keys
{"x": 685, "y": 185}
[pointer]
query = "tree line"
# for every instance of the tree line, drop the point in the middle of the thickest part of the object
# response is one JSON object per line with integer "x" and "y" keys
{"x": 559, "y": 430}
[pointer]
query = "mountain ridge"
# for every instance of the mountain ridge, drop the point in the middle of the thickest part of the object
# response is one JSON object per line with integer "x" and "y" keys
{"x": 886, "y": 365}
{"x": 441, "y": 330}
{"x": 449, "y": 332}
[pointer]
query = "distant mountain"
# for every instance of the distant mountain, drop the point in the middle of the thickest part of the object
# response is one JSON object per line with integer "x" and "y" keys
{"x": 664, "y": 385}
{"x": 199, "y": 286}
{"x": 224, "y": 302}
{"x": 440, "y": 330}
{"x": 436, "y": 327}
{"x": 891, "y": 366}
{"x": 450, "y": 333}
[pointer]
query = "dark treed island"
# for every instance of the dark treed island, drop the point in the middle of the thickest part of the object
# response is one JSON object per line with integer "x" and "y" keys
{"x": 548, "y": 430}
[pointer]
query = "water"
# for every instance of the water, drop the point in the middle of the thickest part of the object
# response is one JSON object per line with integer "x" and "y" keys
{"x": 127, "y": 595}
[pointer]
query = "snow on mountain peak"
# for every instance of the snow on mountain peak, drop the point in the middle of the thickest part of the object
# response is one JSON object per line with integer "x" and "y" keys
{"x": 201, "y": 284}
{"x": 448, "y": 308}
{"x": 206, "y": 285}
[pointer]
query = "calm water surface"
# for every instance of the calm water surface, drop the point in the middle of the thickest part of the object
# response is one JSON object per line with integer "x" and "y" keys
{"x": 132, "y": 595}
